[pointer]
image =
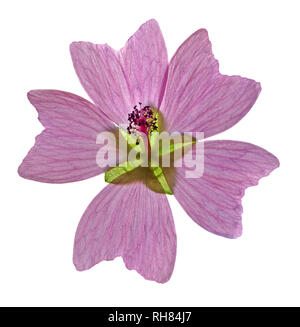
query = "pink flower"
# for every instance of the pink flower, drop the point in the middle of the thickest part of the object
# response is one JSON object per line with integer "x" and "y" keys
{"x": 132, "y": 220}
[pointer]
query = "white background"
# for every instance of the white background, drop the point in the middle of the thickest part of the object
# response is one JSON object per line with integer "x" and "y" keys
{"x": 255, "y": 39}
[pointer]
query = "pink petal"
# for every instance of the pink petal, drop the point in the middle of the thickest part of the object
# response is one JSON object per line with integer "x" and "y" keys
{"x": 116, "y": 81}
{"x": 198, "y": 98}
{"x": 145, "y": 62}
{"x": 214, "y": 200}
{"x": 129, "y": 221}
{"x": 100, "y": 73}
{"x": 66, "y": 150}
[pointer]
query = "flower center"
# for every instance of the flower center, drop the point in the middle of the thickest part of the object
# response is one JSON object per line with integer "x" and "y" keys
{"x": 142, "y": 120}
{"x": 145, "y": 155}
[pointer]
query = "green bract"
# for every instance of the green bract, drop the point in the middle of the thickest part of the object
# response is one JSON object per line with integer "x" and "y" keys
{"x": 140, "y": 148}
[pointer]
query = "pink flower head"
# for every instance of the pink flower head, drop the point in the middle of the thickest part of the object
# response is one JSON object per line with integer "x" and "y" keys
{"x": 132, "y": 220}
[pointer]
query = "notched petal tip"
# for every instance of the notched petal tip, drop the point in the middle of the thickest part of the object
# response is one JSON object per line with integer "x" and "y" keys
{"x": 202, "y": 35}
{"x": 151, "y": 21}
{"x": 21, "y": 171}
{"x": 238, "y": 232}
{"x": 201, "y": 32}
{"x": 31, "y": 95}
{"x": 24, "y": 169}
{"x": 149, "y": 25}
{"x": 42, "y": 95}
{"x": 276, "y": 162}
{"x": 258, "y": 87}
{"x": 232, "y": 234}
{"x": 71, "y": 46}
{"x": 78, "y": 266}
{"x": 157, "y": 279}
{"x": 75, "y": 45}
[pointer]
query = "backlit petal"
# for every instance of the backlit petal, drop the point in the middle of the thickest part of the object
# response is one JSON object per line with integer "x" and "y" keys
{"x": 66, "y": 150}
{"x": 198, "y": 98}
{"x": 118, "y": 80}
{"x": 101, "y": 74}
{"x": 129, "y": 221}
{"x": 145, "y": 62}
{"x": 214, "y": 200}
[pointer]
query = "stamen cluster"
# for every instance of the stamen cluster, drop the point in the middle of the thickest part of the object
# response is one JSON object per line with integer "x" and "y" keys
{"x": 142, "y": 119}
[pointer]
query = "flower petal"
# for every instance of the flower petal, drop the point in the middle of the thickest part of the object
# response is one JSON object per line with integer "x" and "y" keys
{"x": 117, "y": 81}
{"x": 66, "y": 150}
{"x": 100, "y": 73}
{"x": 197, "y": 97}
{"x": 129, "y": 221}
{"x": 145, "y": 62}
{"x": 214, "y": 200}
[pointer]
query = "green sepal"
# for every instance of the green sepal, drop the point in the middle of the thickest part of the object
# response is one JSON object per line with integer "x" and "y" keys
{"x": 153, "y": 139}
{"x": 123, "y": 168}
{"x": 158, "y": 173}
